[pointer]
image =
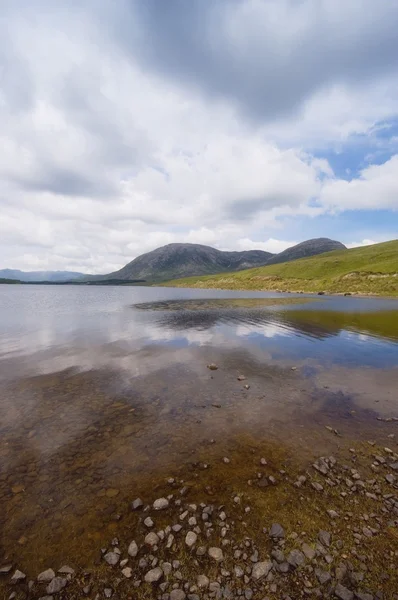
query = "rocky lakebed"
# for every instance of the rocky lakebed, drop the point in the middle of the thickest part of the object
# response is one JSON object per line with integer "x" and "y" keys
{"x": 337, "y": 537}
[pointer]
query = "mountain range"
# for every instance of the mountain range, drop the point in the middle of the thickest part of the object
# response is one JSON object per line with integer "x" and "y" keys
{"x": 30, "y": 276}
{"x": 175, "y": 261}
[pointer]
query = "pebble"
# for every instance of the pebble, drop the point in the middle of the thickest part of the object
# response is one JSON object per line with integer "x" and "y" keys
{"x": 148, "y": 522}
{"x": 18, "y": 576}
{"x": 56, "y": 585}
{"x": 133, "y": 549}
{"x": 177, "y": 595}
{"x": 202, "y": 581}
{"x": 261, "y": 569}
{"x": 112, "y": 558}
{"x": 152, "y": 539}
{"x": 46, "y": 576}
{"x": 216, "y": 554}
{"x": 308, "y": 551}
{"x": 190, "y": 539}
{"x": 296, "y": 558}
{"x": 226, "y": 460}
{"x": 137, "y": 504}
{"x": 324, "y": 537}
{"x": 154, "y": 575}
{"x": 66, "y": 570}
{"x": 343, "y": 593}
{"x": 127, "y": 572}
{"x": 161, "y": 504}
{"x": 277, "y": 531}
{"x": 5, "y": 569}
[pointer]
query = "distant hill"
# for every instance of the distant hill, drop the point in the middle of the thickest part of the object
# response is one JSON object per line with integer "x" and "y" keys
{"x": 305, "y": 249}
{"x": 182, "y": 260}
{"x": 366, "y": 270}
{"x": 53, "y": 276}
{"x": 175, "y": 261}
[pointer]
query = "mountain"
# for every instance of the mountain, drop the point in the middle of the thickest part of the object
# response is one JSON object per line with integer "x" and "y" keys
{"x": 54, "y": 276}
{"x": 183, "y": 260}
{"x": 365, "y": 270}
{"x": 306, "y": 249}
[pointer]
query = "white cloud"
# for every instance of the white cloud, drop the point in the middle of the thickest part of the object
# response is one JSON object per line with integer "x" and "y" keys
{"x": 105, "y": 155}
{"x": 362, "y": 243}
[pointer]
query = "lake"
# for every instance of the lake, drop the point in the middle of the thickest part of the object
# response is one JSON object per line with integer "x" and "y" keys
{"x": 105, "y": 391}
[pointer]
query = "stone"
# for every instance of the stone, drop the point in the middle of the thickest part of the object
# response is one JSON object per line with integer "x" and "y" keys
{"x": 216, "y": 554}
{"x": 66, "y": 570}
{"x": 202, "y": 582}
{"x": 226, "y": 460}
{"x": 322, "y": 576}
{"x": 390, "y": 479}
{"x": 201, "y": 551}
{"x": 148, "y": 522}
{"x": 18, "y": 576}
{"x": 112, "y": 558}
{"x": 261, "y": 569}
{"x": 137, "y": 504}
{"x": 46, "y": 576}
{"x": 152, "y": 539}
{"x": 212, "y": 367}
{"x": 325, "y": 538}
{"x": 363, "y": 596}
{"x": 190, "y": 539}
{"x": 127, "y": 572}
{"x": 277, "y": 531}
{"x": 238, "y": 571}
{"x": 343, "y": 593}
{"x": 167, "y": 568}
{"x": 5, "y": 569}
{"x": 308, "y": 551}
{"x": 161, "y": 504}
{"x": 56, "y": 585}
{"x": 154, "y": 575}
{"x": 176, "y": 528}
{"x": 296, "y": 558}
{"x": 333, "y": 514}
{"x": 133, "y": 549}
{"x": 177, "y": 595}
{"x": 241, "y": 378}
{"x": 108, "y": 592}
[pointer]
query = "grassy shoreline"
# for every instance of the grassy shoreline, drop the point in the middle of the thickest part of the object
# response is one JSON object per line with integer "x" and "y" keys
{"x": 372, "y": 270}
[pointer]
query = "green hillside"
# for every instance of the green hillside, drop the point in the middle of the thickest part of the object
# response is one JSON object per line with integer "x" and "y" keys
{"x": 368, "y": 270}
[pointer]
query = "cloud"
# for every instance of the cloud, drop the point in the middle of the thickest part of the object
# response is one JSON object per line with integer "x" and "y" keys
{"x": 128, "y": 125}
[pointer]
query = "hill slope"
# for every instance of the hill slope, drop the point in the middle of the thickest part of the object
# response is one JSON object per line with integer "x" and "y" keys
{"x": 306, "y": 249}
{"x": 182, "y": 260}
{"x": 39, "y": 275}
{"x": 371, "y": 269}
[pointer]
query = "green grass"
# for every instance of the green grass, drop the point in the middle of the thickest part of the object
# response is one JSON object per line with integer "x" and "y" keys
{"x": 368, "y": 270}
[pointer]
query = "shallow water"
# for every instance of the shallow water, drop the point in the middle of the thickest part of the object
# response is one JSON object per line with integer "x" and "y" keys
{"x": 105, "y": 389}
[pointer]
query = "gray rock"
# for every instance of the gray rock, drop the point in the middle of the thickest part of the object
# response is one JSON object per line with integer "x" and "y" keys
{"x": 46, "y": 576}
{"x": 324, "y": 537}
{"x": 127, "y": 572}
{"x": 154, "y": 575}
{"x": 277, "y": 531}
{"x": 390, "y": 479}
{"x": 148, "y": 522}
{"x": 308, "y": 551}
{"x": 238, "y": 571}
{"x": 343, "y": 593}
{"x": 284, "y": 567}
{"x": 278, "y": 555}
{"x": 248, "y": 594}
{"x": 152, "y": 539}
{"x": 177, "y": 595}
{"x": 176, "y": 528}
{"x": 161, "y": 504}
{"x": 56, "y": 585}
{"x": 133, "y": 549}
{"x": 201, "y": 551}
{"x": 202, "y": 582}
{"x": 322, "y": 576}
{"x": 190, "y": 539}
{"x": 112, "y": 558}
{"x": 216, "y": 554}
{"x": 108, "y": 592}
{"x": 137, "y": 504}
{"x": 18, "y": 576}
{"x": 66, "y": 570}
{"x": 261, "y": 569}
{"x": 363, "y": 596}
{"x": 167, "y": 568}
{"x": 5, "y": 569}
{"x": 296, "y": 558}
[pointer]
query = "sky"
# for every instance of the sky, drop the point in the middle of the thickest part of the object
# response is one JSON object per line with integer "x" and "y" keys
{"x": 129, "y": 124}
